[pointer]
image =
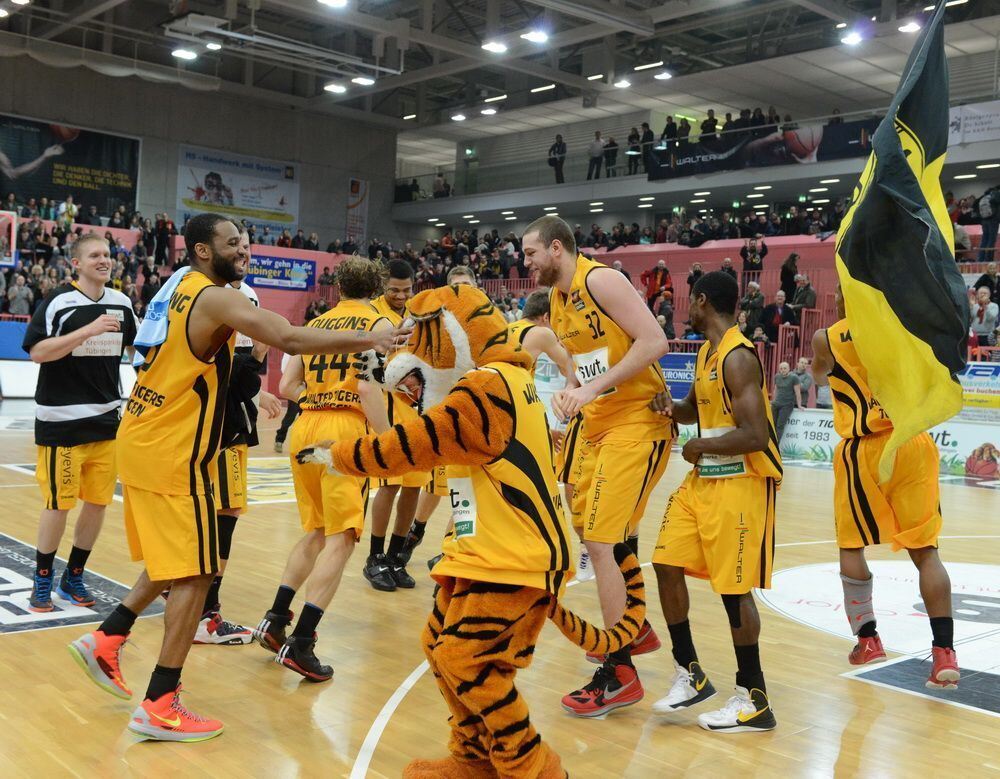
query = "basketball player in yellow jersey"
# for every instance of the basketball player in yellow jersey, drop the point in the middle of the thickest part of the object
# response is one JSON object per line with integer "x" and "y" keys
{"x": 387, "y": 571}
{"x": 904, "y": 511}
{"x": 335, "y": 406}
{"x": 167, "y": 447}
{"x": 719, "y": 524}
{"x": 615, "y": 343}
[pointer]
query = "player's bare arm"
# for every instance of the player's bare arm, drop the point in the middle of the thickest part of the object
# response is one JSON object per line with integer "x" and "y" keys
{"x": 742, "y": 374}
{"x": 542, "y": 340}
{"x": 822, "y": 362}
{"x": 292, "y": 380}
{"x": 51, "y": 349}
{"x": 684, "y": 412}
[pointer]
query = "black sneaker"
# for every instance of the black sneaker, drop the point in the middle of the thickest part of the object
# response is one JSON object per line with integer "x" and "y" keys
{"x": 397, "y": 569}
{"x": 270, "y": 632}
{"x": 297, "y": 654}
{"x": 412, "y": 542}
{"x": 434, "y": 561}
{"x": 378, "y": 572}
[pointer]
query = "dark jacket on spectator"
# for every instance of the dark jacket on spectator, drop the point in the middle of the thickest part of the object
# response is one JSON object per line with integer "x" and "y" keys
{"x": 771, "y": 318}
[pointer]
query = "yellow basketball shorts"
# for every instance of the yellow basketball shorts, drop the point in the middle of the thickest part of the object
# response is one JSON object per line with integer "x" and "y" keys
{"x": 330, "y": 502}
{"x": 905, "y": 511}
{"x": 437, "y": 482}
{"x": 85, "y": 471}
{"x": 231, "y": 486}
{"x": 569, "y": 459}
{"x": 616, "y": 478}
{"x": 175, "y": 536}
{"x": 721, "y": 530}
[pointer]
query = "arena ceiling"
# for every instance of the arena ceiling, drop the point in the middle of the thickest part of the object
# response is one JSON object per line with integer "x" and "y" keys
{"x": 425, "y": 58}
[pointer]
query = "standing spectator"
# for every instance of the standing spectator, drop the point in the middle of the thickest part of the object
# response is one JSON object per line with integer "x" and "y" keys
{"x": 753, "y": 304}
{"x": 20, "y": 297}
{"x": 753, "y": 255}
{"x": 647, "y": 139}
{"x": 709, "y": 129}
{"x": 165, "y": 230}
{"x": 617, "y": 265}
{"x": 610, "y": 158}
{"x": 285, "y": 240}
{"x": 989, "y": 218}
{"x": 694, "y": 274}
{"x": 683, "y": 133}
{"x": 557, "y": 158}
{"x": 805, "y": 378}
{"x": 656, "y": 281}
{"x": 795, "y": 224}
{"x": 984, "y": 318}
{"x": 596, "y": 154}
{"x": 668, "y": 138}
{"x": 789, "y": 270}
{"x": 804, "y": 297}
{"x": 312, "y": 243}
{"x": 774, "y": 315}
{"x": 299, "y": 240}
{"x": 67, "y": 212}
{"x": 990, "y": 280}
{"x": 326, "y": 278}
{"x": 787, "y": 396}
{"x": 758, "y": 123}
{"x": 634, "y": 150}
{"x": 45, "y": 209}
{"x": 90, "y": 217}
{"x": 727, "y": 266}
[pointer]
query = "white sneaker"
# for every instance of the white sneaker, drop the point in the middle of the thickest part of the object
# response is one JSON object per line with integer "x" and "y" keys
{"x": 213, "y": 629}
{"x": 743, "y": 713}
{"x": 690, "y": 686}
{"x": 584, "y": 570}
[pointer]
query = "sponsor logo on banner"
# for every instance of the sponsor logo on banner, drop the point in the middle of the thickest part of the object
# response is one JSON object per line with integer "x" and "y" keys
{"x": 980, "y": 392}
{"x": 678, "y": 371}
{"x": 281, "y": 272}
{"x": 974, "y": 122}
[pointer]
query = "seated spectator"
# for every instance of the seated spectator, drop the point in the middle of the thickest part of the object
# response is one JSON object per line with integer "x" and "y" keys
{"x": 666, "y": 326}
{"x": 741, "y": 323}
{"x": 617, "y": 265}
{"x": 20, "y": 298}
{"x": 984, "y": 318}
{"x": 89, "y": 217}
{"x": 655, "y": 281}
{"x": 759, "y": 336}
{"x": 776, "y": 314}
{"x": 963, "y": 245}
{"x": 752, "y": 304}
{"x": 804, "y": 297}
{"x": 646, "y": 237}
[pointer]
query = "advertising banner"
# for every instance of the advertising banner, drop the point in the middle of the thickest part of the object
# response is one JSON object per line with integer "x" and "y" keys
{"x": 357, "y": 210}
{"x": 38, "y": 159}
{"x": 981, "y": 392}
{"x": 8, "y": 237}
{"x": 281, "y": 273}
{"x": 974, "y": 123}
{"x": 264, "y": 192}
{"x": 678, "y": 371}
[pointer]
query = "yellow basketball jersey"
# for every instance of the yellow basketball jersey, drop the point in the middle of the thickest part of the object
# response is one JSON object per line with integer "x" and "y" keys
{"x": 331, "y": 379}
{"x": 509, "y": 523}
{"x": 517, "y": 330}
{"x": 856, "y": 412}
{"x": 597, "y": 343}
{"x": 715, "y": 414}
{"x": 381, "y": 305}
{"x": 169, "y": 436}
{"x": 399, "y": 407}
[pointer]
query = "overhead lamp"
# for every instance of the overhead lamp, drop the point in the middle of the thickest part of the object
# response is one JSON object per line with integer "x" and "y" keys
{"x": 409, "y": 116}
{"x": 644, "y": 199}
{"x": 819, "y": 202}
{"x": 966, "y": 176}
{"x": 553, "y": 214}
{"x": 473, "y": 221}
{"x": 510, "y": 219}
{"x": 762, "y": 187}
{"x": 829, "y": 181}
{"x": 551, "y": 208}
{"x": 506, "y": 213}
{"x": 910, "y": 27}
{"x": 595, "y": 77}
{"x": 842, "y": 25}
{"x": 363, "y": 81}
{"x": 495, "y": 99}
{"x": 334, "y": 3}
{"x": 337, "y": 89}
{"x": 440, "y": 224}
{"x": 645, "y": 205}
{"x": 623, "y": 83}
{"x": 535, "y": 36}
{"x": 820, "y": 189}
{"x": 649, "y": 65}
{"x": 184, "y": 54}
{"x": 4, "y": 13}
{"x": 545, "y": 88}
{"x": 597, "y": 210}
{"x": 699, "y": 194}
{"x": 988, "y": 166}
{"x": 488, "y": 111}
{"x": 432, "y": 219}
{"x": 762, "y": 206}
{"x": 495, "y": 47}
{"x": 597, "y": 203}
{"x": 853, "y": 38}
{"x": 458, "y": 117}
{"x": 755, "y": 194}
{"x": 947, "y": 5}
{"x": 663, "y": 75}
{"x": 698, "y": 200}
{"x": 213, "y": 46}
{"x": 20, "y": 2}
{"x": 468, "y": 216}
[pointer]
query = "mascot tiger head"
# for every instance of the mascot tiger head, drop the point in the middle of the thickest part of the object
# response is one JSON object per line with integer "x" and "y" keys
{"x": 456, "y": 329}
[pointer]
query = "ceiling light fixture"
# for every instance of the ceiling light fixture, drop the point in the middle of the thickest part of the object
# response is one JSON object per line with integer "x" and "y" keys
{"x": 988, "y": 166}
{"x": 20, "y": 2}
{"x": 535, "y": 36}
{"x": 3, "y": 13}
{"x": 432, "y": 219}
{"x": 648, "y": 66}
{"x": 698, "y": 200}
{"x": 762, "y": 187}
{"x": 597, "y": 203}
{"x": 852, "y": 38}
{"x": 511, "y": 219}
{"x": 755, "y": 194}
{"x": 623, "y": 83}
{"x": 495, "y": 99}
{"x": 337, "y": 89}
{"x": 551, "y": 208}
{"x": 663, "y": 75}
{"x": 949, "y": 4}
{"x": 966, "y": 176}
{"x": 184, "y": 54}
{"x": 495, "y": 47}
{"x": 699, "y": 194}
{"x": 595, "y": 77}
{"x": 546, "y": 88}
{"x": 910, "y": 27}
{"x": 363, "y": 81}
{"x": 213, "y": 46}
{"x": 458, "y": 117}
{"x": 818, "y": 202}
{"x": 645, "y": 205}
{"x": 334, "y": 3}
{"x": 829, "y": 181}
{"x": 468, "y": 216}
{"x": 842, "y": 25}
{"x": 488, "y": 111}
{"x": 648, "y": 197}
{"x": 597, "y": 210}
{"x": 473, "y": 221}
{"x": 409, "y": 116}
{"x": 440, "y": 224}
{"x": 506, "y": 213}
{"x": 820, "y": 189}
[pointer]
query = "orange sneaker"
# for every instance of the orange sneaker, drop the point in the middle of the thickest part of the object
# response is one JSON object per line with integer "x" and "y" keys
{"x": 100, "y": 656}
{"x": 647, "y": 641}
{"x": 166, "y": 719}
{"x": 867, "y": 650}
{"x": 945, "y": 673}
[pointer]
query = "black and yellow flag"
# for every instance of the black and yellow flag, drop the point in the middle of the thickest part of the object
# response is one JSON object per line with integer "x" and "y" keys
{"x": 906, "y": 301}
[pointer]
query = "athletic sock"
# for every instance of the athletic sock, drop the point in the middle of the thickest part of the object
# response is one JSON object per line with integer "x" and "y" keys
{"x": 378, "y": 545}
{"x": 162, "y": 681}
{"x": 418, "y": 528}
{"x": 868, "y": 630}
{"x": 943, "y": 629}
{"x": 683, "y": 644}
{"x": 119, "y": 622}
{"x": 395, "y": 545}
{"x": 44, "y": 562}
{"x": 622, "y": 657}
{"x": 283, "y": 600}
{"x": 212, "y": 597}
{"x": 749, "y": 674}
{"x": 77, "y": 560}
{"x": 633, "y": 543}
{"x": 308, "y": 621}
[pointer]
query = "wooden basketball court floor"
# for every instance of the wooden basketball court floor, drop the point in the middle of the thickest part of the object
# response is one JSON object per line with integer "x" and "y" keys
{"x": 382, "y": 709}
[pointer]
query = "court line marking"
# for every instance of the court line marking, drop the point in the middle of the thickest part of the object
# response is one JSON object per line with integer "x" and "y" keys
{"x": 370, "y": 744}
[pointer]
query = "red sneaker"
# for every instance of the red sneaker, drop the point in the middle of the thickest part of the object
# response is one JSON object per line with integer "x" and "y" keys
{"x": 945, "y": 674}
{"x": 647, "y": 641}
{"x": 165, "y": 719}
{"x": 867, "y": 650}
{"x": 100, "y": 656}
{"x": 612, "y": 687}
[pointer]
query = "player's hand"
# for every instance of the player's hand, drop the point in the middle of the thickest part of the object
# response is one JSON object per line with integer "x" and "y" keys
{"x": 270, "y": 405}
{"x": 558, "y": 436}
{"x": 693, "y": 450}
{"x": 103, "y": 324}
{"x": 662, "y": 404}
{"x": 387, "y": 341}
{"x": 567, "y": 403}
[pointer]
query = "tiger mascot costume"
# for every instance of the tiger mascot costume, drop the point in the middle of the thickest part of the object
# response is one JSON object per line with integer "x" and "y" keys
{"x": 508, "y": 558}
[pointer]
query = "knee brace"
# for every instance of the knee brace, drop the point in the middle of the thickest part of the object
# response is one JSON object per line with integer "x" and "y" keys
{"x": 858, "y": 601}
{"x": 732, "y": 604}
{"x": 226, "y": 524}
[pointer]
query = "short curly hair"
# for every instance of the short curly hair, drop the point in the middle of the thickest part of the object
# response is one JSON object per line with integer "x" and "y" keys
{"x": 359, "y": 277}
